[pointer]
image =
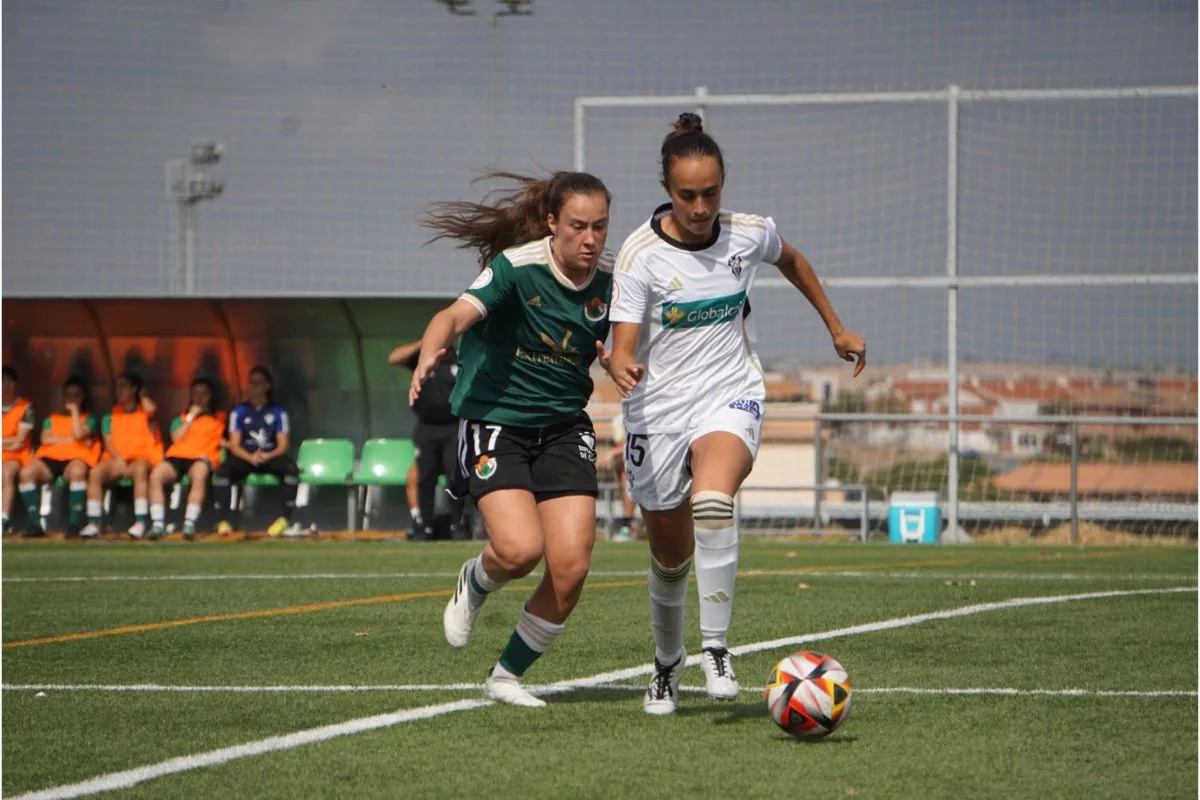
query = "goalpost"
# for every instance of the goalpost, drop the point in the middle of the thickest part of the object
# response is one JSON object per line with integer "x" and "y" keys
{"x": 1081, "y": 200}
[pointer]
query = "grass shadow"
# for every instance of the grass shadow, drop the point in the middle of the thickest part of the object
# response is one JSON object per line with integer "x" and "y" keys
{"x": 632, "y": 697}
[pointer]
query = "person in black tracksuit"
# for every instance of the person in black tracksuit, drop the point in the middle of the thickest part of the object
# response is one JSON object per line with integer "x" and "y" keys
{"x": 436, "y": 438}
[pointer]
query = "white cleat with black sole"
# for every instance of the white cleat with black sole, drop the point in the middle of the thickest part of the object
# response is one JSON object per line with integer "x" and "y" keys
{"x": 719, "y": 680}
{"x": 662, "y": 694}
{"x": 510, "y": 691}
{"x": 458, "y": 620}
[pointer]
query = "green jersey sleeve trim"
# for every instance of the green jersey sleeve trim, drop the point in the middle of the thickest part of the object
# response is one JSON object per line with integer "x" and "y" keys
{"x": 493, "y": 286}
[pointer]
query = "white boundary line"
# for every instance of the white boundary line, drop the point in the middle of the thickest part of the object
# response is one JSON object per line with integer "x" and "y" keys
{"x": 150, "y": 688}
{"x": 798, "y": 572}
{"x": 132, "y": 777}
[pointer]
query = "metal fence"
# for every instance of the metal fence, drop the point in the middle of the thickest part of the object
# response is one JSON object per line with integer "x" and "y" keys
{"x": 1173, "y": 265}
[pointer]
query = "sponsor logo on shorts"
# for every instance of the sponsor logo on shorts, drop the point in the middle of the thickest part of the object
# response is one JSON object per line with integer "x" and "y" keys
{"x": 587, "y": 450}
{"x": 485, "y": 467}
{"x": 595, "y": 309}
{"x": 701, "y": 313}
{"x": 749, "y": 406}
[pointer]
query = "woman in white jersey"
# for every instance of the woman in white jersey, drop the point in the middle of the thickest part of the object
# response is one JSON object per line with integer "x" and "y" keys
{"x": 683, "y": 359}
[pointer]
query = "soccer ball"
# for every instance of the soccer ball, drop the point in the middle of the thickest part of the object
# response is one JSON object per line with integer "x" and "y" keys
{"x": 808, "y": 694}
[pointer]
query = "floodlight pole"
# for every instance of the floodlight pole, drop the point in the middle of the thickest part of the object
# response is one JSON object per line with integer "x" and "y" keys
{"x": 512, "y": 8}
{"x": 186, "y": 185}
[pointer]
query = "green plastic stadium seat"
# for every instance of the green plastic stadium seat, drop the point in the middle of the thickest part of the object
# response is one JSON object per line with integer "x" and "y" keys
{"x": 385, "y": 462}
{"x": 261, "y": 479}
{"x": 330, "y": 462}
{"x": 326, "y": 462}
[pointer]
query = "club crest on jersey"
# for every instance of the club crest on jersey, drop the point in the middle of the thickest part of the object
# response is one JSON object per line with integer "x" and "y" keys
{"x": 735, "y": 264}
{"x": 749, "y": 406}
{"x": 485, "y": 467}
{"x": 595, "y": 309}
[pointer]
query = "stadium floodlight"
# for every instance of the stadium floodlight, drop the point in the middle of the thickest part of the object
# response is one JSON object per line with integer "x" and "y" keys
{"x": 188, "y": 184}
{"x": 459, "y": 8}
{"x": 205, "y": 153}
{"x": 516, "y": 8}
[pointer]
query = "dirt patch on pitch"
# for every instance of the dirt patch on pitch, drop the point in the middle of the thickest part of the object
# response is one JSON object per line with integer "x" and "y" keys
{"x": 1089, "y": 534}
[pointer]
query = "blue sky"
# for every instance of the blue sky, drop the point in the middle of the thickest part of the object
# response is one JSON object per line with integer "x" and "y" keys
{"x": 342, "y": 119}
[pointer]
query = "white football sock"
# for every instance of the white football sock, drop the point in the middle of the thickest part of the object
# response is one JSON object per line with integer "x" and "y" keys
{"x": 716, "y": 564}
{"x": 668, "y": 602}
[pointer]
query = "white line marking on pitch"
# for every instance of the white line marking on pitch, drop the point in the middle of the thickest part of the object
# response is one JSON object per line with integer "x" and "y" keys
{"x": 151, "y": 688}
{"x": 799, "y": 571}
{"x": 132, "y": 777}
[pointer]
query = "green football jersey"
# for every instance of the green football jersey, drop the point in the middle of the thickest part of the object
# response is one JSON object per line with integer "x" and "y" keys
{"x": 526, "y": 362}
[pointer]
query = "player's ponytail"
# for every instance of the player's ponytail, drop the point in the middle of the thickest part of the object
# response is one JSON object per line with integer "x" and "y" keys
{"x": 508, "y": 218}
{"x": 688, "y": 140}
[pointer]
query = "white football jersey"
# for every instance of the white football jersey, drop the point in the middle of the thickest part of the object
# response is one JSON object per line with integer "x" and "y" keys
{"x": 697, "y": 338}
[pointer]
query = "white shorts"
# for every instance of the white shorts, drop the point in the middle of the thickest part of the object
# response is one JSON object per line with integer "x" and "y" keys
{"x": 658, "y": 466}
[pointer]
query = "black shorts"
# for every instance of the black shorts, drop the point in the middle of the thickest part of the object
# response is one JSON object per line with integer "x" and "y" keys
{"x": 553, "y": 461}
{"x": 183, "y": 465}
{"x": 56, "y": 466}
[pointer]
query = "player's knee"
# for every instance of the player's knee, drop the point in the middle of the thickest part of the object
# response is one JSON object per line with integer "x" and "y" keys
{"x": 570, "y": 576}
{"x": 711, "y": 510}
{"x": 712, "y": 513}
{"x": 77, "y": 471}
{"x": 518, "y": 560}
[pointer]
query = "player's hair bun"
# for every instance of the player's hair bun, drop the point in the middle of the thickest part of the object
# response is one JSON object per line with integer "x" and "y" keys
{"x": 688, "y": 123}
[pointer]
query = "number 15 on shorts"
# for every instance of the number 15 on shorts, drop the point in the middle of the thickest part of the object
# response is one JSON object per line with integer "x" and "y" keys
{"x": 635, "y": 448}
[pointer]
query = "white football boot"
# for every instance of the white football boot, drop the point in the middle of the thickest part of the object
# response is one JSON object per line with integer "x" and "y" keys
{"x": 662, "y": 694}
{"x": 509, "y": 690}
{"x": 458, "y": 620}
{"x": 719, "y": 679}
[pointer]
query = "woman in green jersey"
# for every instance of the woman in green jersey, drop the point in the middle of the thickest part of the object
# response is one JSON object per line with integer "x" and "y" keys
{"x": 531, "y": 324}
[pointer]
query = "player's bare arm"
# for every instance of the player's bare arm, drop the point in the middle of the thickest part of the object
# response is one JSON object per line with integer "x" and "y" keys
{"x": 799, "y": 272}
{"x": 445, "y": 327}
{"x": 623, "y": 367}
{"x": 402, "y": 353}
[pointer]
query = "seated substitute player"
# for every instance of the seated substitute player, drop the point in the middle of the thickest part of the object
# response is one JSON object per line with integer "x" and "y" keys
{"x": 195, "y": 450}
{"x": 18, "y": 438}
{"x": 680, "y": 308}
{"x": 435, "y": 435}
{"x": 259, "y": 436}
{"x": 70, "y": 447}
{"x": 132, "y": 448}
{"x": 531, "y": 324}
